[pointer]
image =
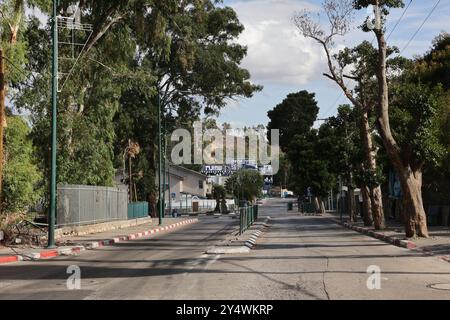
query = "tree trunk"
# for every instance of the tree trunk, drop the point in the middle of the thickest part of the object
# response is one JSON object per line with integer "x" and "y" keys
{"x": 415, "y": 222}
{"x": 2, "y": 121}
{"x": 321, "y": 205}
{"x": 217, "y": 208}
{"x": 152, "y": 198}
{"x": 316, "y": 204}
{"x": 376, "y": 199}
{"x": 366, "y": 206}
{"x": 153, "y": 193}
{"x": 351, "y": 205}
{"x": 411, "y": 181}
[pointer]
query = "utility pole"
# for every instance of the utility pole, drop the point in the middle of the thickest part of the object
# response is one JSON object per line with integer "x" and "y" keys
{"x": 168, "y": 182}
{"x": 52, "y": 212}
{"x": 159, "y": 160}
{"x": 164, "y": 166}
{"x": 2, "y": 122}
{"x": 341, "y": 208}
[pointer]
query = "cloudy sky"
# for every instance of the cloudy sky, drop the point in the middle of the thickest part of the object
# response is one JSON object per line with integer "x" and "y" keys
{"x": 283, "y": 61}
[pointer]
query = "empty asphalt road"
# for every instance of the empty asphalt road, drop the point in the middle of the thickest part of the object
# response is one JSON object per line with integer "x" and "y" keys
{"x": 298, "y": 257}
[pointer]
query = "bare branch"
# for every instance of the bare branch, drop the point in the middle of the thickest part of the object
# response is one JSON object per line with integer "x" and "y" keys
{"x": 350, "y": 77}
{"x": 340, "y": 15}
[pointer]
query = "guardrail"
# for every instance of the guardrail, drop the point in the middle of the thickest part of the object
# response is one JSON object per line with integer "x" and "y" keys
{"x": 247, "y": 215}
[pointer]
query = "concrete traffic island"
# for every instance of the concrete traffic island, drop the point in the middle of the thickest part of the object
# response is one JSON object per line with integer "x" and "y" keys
{"x": 236, "y": 243}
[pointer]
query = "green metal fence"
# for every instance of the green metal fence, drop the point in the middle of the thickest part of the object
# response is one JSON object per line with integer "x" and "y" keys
{"x": 247, "y": 215}
{"x": 137, "y": 210}
{"x": 309, "y": 208}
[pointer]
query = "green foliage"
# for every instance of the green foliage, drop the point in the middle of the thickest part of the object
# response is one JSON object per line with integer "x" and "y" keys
{"x": 284, "y": 175}
{"x": 137, "y": 120}
{"x": 197, "y": 61}
{"x": 309, "y": 162}
{"x": 295, "y": 114}
{"x": 219, "y": 193}
{"x": 434, "y": 67}
{"x": 309, "y": 168}
{"x": 245, "y": 184}
{"x": 419, "y": 106}
{"x": 21, "y": 175}
{"x": 413, "y": 114}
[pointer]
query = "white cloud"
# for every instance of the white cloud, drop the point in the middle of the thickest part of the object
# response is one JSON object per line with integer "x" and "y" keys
{"x": 276, "y": 51}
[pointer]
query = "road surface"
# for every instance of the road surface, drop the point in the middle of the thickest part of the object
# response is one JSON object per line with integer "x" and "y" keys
{"x": 298, "y": 257}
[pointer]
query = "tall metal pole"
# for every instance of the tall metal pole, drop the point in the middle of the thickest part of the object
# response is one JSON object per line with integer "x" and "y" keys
{"x": 341, "y": 202}
{"x": 52, "y": 212}
{"x": 332, "y": 200}
{"x": 168, "y": 182}
{"x": 164, "y": 166}
{"x": 160, "y": 159}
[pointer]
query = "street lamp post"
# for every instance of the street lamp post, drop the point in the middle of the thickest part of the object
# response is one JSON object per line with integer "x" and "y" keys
{"x": 52, "y": 210}
{"x": 159, "y": 160}
{"x": 162, "y": 158}
{"x": 341, "y": 209}
{"x": 164, "y": 146}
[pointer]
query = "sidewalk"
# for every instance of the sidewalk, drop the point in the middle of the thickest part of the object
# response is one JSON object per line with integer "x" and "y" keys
{"x": 75, "y": 244}
{"x": 438, "y": 244}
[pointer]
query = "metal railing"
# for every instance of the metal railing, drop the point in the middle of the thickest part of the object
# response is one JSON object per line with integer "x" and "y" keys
{"x": 247, "y": 216}
{"x": 138, "y": 210}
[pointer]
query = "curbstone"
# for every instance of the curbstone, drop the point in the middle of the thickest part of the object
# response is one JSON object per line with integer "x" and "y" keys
{"x": 407, "y": 244}
{"x": 9, "y": 259}
{"x": 87, "y": 246}
{"x": 246, "y": 247}
{"x": 380, "y": 236}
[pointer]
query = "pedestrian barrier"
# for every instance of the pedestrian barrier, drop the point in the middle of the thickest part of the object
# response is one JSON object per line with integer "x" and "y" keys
{"x": 247, "y": 215}
{"x": 308, "y": 208}
{"x": 290, "y": 206}
{"x": 137, "y": 210}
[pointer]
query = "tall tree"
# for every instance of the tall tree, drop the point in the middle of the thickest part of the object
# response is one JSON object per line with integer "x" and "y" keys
{"x": 22, "y": 177}
{"x": 295, "y": 117}
{"x": 295, "y": 114}
{"x": 341, "y": 149}
{"x": 408, "y": 167}
{"x": 339, "y": 16}
{"x": 245, "y": 184}
{"x": 12, "y": 50}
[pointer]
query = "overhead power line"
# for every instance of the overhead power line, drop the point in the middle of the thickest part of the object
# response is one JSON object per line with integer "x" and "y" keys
{"x": 341, "y": 95}
{"x": 399, "y": 19}
{"x": 421, "y": 25}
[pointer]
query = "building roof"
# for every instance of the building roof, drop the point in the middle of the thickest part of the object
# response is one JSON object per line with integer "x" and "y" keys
{"x": 189, "y": 171}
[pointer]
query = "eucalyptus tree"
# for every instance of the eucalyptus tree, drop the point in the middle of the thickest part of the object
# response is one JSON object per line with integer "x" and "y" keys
{"x": 190, "y": 48}
{"x": 407, "y": 160}
{"x": 339, "y": 17}
{"x": 13, "y": 57}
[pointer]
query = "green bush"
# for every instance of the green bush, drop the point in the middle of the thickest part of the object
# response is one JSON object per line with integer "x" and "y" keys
{"x": 21, "y": 175}
{"x": 245, "y": 184}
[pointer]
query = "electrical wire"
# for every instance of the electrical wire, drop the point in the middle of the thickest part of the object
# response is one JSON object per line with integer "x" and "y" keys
{"x": 420, "y": 27}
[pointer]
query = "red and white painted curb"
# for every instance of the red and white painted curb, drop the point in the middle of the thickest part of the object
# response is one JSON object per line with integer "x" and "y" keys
{"x": 407, "y": 244}
{"x": 381, "y": 236}
{"x": 46, "y": 254}
{"x": 249, "y": 244}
